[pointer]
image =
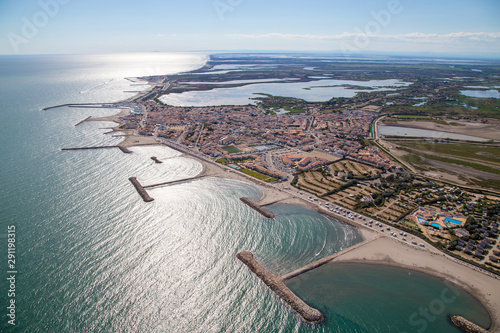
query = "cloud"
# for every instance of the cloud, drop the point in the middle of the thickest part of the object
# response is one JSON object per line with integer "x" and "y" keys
{"x": 411, "y": 42}
{"x": 487, "y": 36}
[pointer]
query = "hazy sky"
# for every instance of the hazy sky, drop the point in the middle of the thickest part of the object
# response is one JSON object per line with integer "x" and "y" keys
{"x": 91, "y": 26}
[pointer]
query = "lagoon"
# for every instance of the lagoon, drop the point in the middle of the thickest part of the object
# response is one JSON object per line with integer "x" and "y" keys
{"x": 316, "y": 91}
{"x": 481, "y": 93}
{"x": 423, "y": 133}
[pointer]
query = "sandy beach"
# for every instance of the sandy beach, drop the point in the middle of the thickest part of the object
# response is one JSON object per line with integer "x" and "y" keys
{"x": 387, "y": 250}
{"x": 395, "y": 253}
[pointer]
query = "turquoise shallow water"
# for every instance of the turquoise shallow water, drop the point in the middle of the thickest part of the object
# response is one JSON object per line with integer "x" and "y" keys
{"x": 375, "y": 298}
{"x": 93, "y": 257}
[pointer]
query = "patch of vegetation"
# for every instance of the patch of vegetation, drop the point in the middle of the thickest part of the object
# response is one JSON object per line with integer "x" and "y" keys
{"x": 270, "y": 102}
{"x": 453, "y": 105}
{"x": 293, "y": 110}
{"x": 411, "y": 225}
{"x": 413, "y": 159}
{"x": 341, "y": 188}
{"x": 231, "y": 149}
{"x": 259, "y": 175}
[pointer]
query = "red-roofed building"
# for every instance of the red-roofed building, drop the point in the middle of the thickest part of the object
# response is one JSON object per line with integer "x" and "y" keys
{"x": 287, "y": 160}
{"x": 305, "y": 161}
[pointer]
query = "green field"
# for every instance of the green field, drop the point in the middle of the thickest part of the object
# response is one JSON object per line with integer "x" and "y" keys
{"x": 259, "y": 175}
{"x": 412, "y": 225}
{"x": 477, "y": 166}
{"x": 231, "y": 149}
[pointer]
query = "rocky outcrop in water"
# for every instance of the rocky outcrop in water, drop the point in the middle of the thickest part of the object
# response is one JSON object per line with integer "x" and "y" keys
{"x": 466, "y": 325}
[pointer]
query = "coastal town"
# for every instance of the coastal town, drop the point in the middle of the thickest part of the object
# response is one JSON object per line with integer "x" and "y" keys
{"x": 335, "y": 156}
{"x": 331, "y": 157}
{"x": 233, "y": 166}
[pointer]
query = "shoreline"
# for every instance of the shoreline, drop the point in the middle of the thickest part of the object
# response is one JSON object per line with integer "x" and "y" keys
{"x": 379, "y": 251}
{"x": 375, "y": 253}
{"x": 471, "y": 292}
{"x": 384, "y": 251}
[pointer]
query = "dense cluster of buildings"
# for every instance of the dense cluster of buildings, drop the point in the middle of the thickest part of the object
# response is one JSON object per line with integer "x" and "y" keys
{"x": 210, "y": 129}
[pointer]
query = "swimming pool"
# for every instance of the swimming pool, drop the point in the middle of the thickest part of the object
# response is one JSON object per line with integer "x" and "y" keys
{"x": 449, "y": 220}
{"x": 422, "y": 220}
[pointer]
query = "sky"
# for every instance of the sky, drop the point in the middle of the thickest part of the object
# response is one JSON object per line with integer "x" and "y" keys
{"x": 461, "y": 27}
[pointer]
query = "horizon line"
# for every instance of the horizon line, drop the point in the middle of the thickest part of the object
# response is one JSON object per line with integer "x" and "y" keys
{"x": 424, "y": 54}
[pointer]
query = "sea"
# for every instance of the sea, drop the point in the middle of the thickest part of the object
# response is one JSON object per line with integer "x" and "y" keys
{"x": 91, "y": 256}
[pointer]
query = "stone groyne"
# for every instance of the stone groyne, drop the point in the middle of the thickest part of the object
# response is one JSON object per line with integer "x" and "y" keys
{"x": 84, "y": 120}
{"x": 323, "y": 261}
{"x": 307, "y": 312}
{"x": 142, "y": 192}
{"x": 86, "y": 148}
{"x": 154, "y": 158}
{"x": 123, "y": 149}
{"x": 258, "y": 208}
{"x": 466, "y": 325}
{"x": 83, "y": 105}
{"x": 170, "y": 182}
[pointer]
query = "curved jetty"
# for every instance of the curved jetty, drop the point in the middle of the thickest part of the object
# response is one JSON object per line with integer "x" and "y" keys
{"x": 142, "y": 192}
{"x": 276, "y": 284}
{"x": 258, "y": 208}
{"x": 466, "y": 325}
